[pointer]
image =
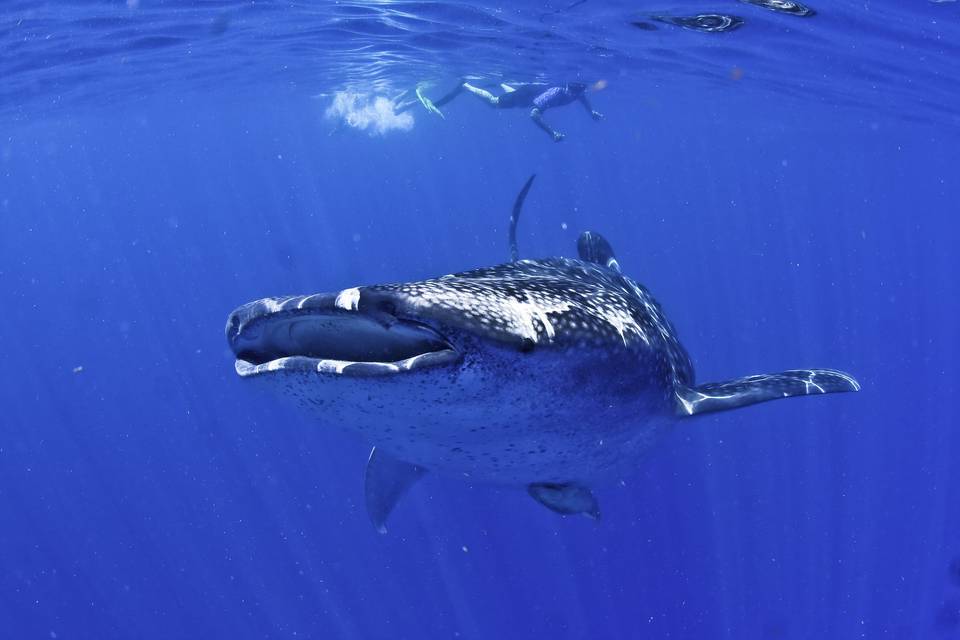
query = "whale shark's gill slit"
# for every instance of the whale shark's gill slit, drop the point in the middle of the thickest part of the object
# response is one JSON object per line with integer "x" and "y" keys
{"x": 348, "y": 338}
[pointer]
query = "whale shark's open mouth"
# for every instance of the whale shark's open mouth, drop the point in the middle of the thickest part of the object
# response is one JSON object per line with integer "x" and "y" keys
{"x": 322, "y": 334}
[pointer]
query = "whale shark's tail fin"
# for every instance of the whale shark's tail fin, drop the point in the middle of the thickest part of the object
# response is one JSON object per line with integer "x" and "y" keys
{"x": 515, "y": 217}
{"x": 720, "y": 396}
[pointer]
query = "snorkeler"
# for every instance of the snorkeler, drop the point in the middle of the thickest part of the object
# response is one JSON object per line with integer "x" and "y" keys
{"x": 537, "y": 96}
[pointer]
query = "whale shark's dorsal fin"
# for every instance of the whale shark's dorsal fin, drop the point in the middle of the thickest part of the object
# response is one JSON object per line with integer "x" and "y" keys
{"x": 515, "y": 217}
{"x": 567, "y": 499}
{"x": 720, "y": 396}
{"x": 593, "y": 247}
{"x": 387, "y": 479}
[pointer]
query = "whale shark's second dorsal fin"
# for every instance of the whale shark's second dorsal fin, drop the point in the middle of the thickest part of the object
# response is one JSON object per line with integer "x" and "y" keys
{"x": 593, "y": 247}
{"x": 515, "y": 217}
{"x": 387, "y": 479}
{"x": 720, "y": 396}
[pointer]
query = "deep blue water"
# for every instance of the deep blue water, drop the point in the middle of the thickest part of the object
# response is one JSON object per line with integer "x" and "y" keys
{"x": 787, "y": 190}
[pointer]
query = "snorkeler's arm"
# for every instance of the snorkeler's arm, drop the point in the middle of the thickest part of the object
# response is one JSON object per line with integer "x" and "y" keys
{"x": 596, "y": 115}
{"x": 537, "y": 116}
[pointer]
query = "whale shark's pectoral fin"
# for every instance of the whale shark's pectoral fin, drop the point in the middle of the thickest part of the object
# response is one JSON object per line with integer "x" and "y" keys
{"x": 566, "y": 499}
{"x": 720, "y": 396}
{"x": 387, "y": 479}
{"x": 593, "y": 247}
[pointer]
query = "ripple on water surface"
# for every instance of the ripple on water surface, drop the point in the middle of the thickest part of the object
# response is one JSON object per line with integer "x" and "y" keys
{"x": 897, "y": 56}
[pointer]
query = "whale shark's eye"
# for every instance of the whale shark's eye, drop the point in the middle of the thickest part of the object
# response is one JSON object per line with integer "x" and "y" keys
{"x": 527, "y": 345}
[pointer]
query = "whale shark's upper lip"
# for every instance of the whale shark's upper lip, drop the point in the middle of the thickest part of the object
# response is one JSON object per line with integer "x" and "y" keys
{"x": 331, "y": 334}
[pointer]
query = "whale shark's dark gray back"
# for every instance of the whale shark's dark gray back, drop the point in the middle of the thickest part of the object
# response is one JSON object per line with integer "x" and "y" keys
{"x": 550, "y": 303}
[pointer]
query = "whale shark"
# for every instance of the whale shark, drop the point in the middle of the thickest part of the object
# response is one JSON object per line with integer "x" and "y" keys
{"x": 553, "y": 375}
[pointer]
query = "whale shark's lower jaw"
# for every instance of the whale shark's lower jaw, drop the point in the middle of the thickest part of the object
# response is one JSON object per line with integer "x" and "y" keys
{"x": 246, "y": 369}
{"x": 328, "y": 334}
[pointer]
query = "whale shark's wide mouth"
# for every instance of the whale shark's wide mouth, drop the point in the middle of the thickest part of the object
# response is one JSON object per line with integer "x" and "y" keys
{"x": 322, "y": 334}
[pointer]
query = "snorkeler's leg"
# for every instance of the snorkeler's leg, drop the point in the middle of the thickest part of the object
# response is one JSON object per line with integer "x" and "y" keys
{"x": 405, "y": 105}
{"x": 450, "y": 95}
{"x": 483, "y": 94}
{"x": 537, "y": 116}
{"x": 403, "y": 102}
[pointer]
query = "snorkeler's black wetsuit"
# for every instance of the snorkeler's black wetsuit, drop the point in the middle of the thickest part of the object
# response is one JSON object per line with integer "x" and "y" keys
{"x": 540, "y": 96}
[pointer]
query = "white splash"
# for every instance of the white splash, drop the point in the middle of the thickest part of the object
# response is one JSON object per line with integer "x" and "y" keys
{"x": 368, "y": 113}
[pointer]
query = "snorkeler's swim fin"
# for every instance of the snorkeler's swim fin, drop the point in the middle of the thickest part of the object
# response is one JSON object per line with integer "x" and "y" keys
{"x": 428, "y": 103}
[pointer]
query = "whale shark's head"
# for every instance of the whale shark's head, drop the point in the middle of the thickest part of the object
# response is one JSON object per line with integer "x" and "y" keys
{"x": 530, "y": 371}
{"x": 503, "y": 373}
{"x": 555, "y": 344}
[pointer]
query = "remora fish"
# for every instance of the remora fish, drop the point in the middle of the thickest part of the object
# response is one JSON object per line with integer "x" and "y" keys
{"x": 548, "y": 374}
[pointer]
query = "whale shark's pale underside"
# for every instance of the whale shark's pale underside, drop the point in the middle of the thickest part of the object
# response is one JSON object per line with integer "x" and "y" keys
{"x": 551, "y": 374}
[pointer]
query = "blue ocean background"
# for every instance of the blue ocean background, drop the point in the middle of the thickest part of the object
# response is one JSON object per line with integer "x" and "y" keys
{"x": 787, "y": 190}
